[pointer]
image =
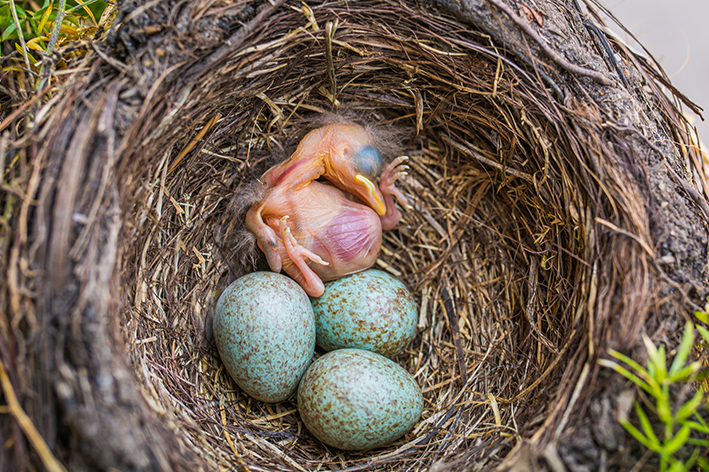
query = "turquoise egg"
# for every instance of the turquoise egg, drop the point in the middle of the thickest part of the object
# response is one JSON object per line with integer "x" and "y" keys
{"x": 368, "y": 310}
{"x": 353, "y": 400}
{"x": 264, "y": 329}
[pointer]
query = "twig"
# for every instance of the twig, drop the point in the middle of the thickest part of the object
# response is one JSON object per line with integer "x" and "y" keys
{"x": 553, "y": 54}
{"x": 453, "y": 320}
{"x": 469, "y": 151}
{"x": 235, "y": 39}
{"x": 544, "y": 374}
{"x": 16, "y": 20}
{"x": 329, "y": 33}
{"x": 45, "y": 454}
{"x": 194, "y": 141}
{"x": 23, "y": 107}
{"x": 57, "y": 27}
{"x": 632, "y": 236}
{"x": 580, "y": 384}
{"x": 531, "y": 304}
{"x": 605, "y": 48}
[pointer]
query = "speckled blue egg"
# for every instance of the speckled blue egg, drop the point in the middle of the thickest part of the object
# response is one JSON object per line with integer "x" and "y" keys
{"x": 264, "y": 329}
{"x": 353, "y": 399}
{"x": 368, "y": 310}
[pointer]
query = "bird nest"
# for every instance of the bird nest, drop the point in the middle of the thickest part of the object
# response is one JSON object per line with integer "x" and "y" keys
{"x": 529, "y": 243}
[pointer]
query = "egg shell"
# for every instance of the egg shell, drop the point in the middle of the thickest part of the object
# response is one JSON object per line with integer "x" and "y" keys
{"x": 264, "y": 329}
{"x": 353, "y": 399}
{"x": 368, "y": 310}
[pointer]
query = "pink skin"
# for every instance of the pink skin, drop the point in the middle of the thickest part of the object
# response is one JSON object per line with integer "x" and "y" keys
{"x": 321, "y": 234}
{"x": 391, "y": 173}
{"x": 316, "y": 231}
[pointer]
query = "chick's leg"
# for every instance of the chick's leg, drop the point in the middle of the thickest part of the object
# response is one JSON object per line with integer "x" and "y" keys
{"x": 391, "y": 173}
{"x": 266, "y": 237}
{"x": 304, "y": 275}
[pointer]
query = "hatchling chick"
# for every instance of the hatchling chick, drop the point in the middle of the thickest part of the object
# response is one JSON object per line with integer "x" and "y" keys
{"x": 322, "y": 213}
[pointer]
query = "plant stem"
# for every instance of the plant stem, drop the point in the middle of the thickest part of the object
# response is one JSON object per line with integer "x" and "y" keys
{"x": 20, "y": 35}
{"x": 57, "y": 27}
{"x": 25, "y": 423}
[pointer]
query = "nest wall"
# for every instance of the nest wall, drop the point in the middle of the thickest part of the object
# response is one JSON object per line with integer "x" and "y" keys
{"x": 494, "y": 248}
{"x": 529, "y": 244}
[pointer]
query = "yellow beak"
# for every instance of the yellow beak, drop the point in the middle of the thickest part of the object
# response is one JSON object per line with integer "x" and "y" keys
{"x": 372, "y": 194}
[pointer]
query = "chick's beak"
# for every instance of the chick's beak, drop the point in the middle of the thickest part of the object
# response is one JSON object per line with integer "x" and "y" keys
{"x": 371, "y": 194}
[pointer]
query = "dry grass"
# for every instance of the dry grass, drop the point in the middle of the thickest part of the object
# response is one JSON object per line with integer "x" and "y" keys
{"x": 497, "y": 228}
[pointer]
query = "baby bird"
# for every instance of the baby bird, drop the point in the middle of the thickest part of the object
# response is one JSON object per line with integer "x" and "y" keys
{"x": 321, "y": 230}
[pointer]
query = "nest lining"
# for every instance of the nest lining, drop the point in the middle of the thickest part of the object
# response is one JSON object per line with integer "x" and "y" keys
{"x": 492, "y": 249}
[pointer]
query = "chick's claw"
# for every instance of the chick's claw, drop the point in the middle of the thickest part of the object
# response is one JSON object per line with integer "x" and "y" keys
{"x": 302, "y": 273}
{"x": 295, "y": 251}
{"x": 265, "y": 236}
{"x": 393, "y": 172}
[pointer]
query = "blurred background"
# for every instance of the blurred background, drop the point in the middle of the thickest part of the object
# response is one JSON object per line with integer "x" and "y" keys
{"x": 677, "y": 34}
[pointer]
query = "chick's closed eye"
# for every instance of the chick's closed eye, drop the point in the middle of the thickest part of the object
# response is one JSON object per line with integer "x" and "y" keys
{"x": 368, "y": 162}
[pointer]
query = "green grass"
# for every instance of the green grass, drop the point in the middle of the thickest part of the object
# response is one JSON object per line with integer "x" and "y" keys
{"x": 676, "y": 425}
{"x": 36, "y": 30}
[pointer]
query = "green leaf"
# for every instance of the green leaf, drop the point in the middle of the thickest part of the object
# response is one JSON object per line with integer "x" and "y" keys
{"x": 661, "y": 364}
{"x": 641, "y": 439}
{"x": 645, "y": 423}
{"x": 45, "y": 18}
{"x": 30, "y": 57}
{"x": 683, "y": 350}
{"x": 33, "y": 26}
{"x": 679, "y": 440}
{"x": 642, "y": 372}
{"x": 689, "y": 408}
{"x": 622, "y": 357}
{"x": 8, "y": 32}
{"x": 704, "y": 332}
{"x": 657, "y": 358}
{"x": 698, "y": 442}
{"x": 702, "y": 316}
{"x": 703, "y": 464}
{"x": 39, "y": 13}
{"x": 702, "y": 422}
{"x": 5, "y": 17}
{"x": 677, "y": 466}
{"x": 664, "y": 410}
{"x": 80, "y": 5}
{"x": 692, "y": 460}
{"x": 20, "y": 12}
{"x": 627, "y": 374}
{"x": 682, "y": 374}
